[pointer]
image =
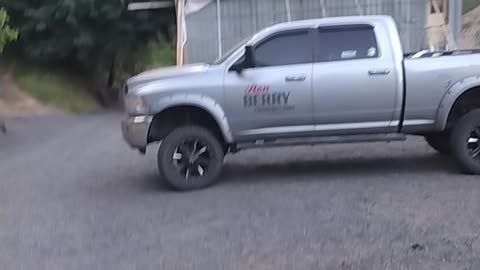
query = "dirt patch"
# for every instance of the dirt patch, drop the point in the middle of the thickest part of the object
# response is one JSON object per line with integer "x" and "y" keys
{"x": 15, "y": 102}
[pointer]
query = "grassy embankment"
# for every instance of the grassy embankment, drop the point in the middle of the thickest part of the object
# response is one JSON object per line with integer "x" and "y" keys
{"x": 54, "y": 88}
{"x": 59, "y": 89}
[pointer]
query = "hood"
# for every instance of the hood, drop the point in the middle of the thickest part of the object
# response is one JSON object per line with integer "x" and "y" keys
{"x": 167, "y": 73}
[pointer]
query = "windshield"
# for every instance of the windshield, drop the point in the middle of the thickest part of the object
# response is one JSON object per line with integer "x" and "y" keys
{"x": 232, "y": 51}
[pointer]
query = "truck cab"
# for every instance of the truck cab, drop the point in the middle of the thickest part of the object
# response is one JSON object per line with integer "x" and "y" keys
{"x": 299, "y": 84}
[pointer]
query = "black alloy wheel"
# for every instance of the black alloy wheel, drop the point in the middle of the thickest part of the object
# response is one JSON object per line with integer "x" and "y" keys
{"x": 190, "y": 158}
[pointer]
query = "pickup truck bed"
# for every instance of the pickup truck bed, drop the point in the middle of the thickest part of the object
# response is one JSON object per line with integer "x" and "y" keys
{"x": 433, "y": 82}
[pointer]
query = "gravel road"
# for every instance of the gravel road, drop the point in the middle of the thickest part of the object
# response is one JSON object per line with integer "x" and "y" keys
{"x": 74, "y": 196}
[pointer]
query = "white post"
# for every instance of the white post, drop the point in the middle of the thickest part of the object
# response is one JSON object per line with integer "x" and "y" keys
{"x": 180, "y": 31}
{"x": 289, "y": 11}
{"x": 219, "y": 29}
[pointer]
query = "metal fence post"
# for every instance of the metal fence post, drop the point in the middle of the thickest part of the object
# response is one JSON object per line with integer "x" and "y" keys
{"x": 288, "y": 9}
{"x": 219, "y": 29}
{"x": 324, "y": 9}
{"x": 359, "y": 8}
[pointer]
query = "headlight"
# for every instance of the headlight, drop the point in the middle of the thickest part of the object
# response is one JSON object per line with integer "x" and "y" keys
{"x": 136, "y": 105}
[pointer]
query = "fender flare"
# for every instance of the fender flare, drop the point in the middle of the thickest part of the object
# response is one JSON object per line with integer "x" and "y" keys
{"x": 200, "y": 101}
{"x": 451, "y": 96}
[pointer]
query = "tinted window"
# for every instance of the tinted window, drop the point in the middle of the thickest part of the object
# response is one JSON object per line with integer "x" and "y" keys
{"x": 346, "y": 43}
{"x": 285, "y": 49}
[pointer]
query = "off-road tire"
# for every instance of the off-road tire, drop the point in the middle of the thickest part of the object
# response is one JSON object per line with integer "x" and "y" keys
{"x": 462, "y": 150}
{"x": 440, "y": 142}
{"x": 177, "y": 139}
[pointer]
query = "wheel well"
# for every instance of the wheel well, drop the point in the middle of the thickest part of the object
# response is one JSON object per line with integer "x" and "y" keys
{"x": 166, "y": 121}
{"x": 466, "y": 102}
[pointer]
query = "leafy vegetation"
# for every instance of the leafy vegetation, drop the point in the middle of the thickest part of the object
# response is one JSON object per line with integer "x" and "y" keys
{"x": 7, "y": 33}
{"x": 82, "y": 31}
{"x": 55, "y": 88}
{"x": 158, "y": 54}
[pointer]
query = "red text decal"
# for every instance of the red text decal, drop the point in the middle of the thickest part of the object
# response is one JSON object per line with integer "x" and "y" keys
{"x": 256, "y": 89}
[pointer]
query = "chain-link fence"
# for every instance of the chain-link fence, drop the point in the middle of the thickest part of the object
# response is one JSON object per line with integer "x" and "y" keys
{"x": 220, "y": 24}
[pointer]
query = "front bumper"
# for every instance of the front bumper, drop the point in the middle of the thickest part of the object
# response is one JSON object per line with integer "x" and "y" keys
{"x": 135, "y": 131}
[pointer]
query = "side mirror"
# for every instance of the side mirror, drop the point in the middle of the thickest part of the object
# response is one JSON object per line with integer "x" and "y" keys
{"x": 238, "y": 67}
{"x": 247, "y": 62}
{"x": 249, "y": 57}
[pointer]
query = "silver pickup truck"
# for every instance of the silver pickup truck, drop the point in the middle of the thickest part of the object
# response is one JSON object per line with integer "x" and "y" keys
{"x": 333, "y": 80}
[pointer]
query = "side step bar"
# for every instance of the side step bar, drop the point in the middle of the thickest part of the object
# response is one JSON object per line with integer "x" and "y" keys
{"x": 322, "y": 140}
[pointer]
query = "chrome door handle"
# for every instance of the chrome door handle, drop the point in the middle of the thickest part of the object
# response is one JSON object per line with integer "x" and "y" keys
{"x": 299, "y": 78}
{"x": 379, "y": 72}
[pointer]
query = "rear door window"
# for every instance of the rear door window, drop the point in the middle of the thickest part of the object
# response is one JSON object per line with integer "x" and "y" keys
{"x": 346, "y": 43}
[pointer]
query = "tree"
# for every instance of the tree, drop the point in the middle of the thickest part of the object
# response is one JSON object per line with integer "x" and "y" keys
{"x": 86, "y": 36}
{"x": 59, "y": 29}
{"x": 7, "y": 34}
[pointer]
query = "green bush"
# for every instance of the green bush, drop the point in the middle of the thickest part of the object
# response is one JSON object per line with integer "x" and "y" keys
{"x": 158, "y": 53}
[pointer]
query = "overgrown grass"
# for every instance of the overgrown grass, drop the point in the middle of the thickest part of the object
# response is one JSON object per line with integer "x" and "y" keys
{"x": 55, "y": 88}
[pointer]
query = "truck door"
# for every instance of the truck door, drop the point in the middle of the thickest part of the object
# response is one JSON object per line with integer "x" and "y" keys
{"x": 354, "y": 85}
{"x": 275, "y": 96}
